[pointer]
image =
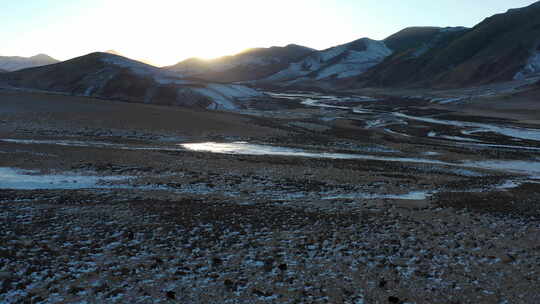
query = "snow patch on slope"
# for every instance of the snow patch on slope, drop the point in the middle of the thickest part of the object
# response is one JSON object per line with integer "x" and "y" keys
{"x": 356, "y": 63}
{"x": 531, "y": 68}
{"x": 224, "y": 97}
{"x": 340, "y": 61}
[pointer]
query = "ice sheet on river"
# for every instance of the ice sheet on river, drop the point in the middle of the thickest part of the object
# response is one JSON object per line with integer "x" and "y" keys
{"x": 255, "y": 149}
{"x": 244, "y": 148}
{"x": 17, "y": 179}
{"x": 522, "y": 133}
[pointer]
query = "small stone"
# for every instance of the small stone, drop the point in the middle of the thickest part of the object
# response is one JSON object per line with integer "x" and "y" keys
{"x": 507, "y": 259}
{"x": 5, "y": 275}
{"x": 217, "y": 261}
{"x": 260, "y": 293}
{"x": 229, "y": 284}
{"x": 268, "y": 264}
{"x": 394, "y": 300}
{"x": 170, "y": 295}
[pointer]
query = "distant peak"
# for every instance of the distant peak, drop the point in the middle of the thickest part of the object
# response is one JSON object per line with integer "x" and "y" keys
{"x": 292, "y": 45}
{"x": 412, "y": 28}
{"x": 113, "y": 52}
{"x": 42, "y": 56}
{"x": 363, "y": 40}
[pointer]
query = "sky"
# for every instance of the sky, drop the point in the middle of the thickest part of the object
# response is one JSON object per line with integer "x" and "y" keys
{"x": 164, "y": 32}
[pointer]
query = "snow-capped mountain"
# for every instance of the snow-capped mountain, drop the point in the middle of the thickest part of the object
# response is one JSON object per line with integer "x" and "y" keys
{"x": 110, "y": 76}
{"x": 342, "y": 61}
{"x": 248, "y": 65}
{"x": 14, "y": 63}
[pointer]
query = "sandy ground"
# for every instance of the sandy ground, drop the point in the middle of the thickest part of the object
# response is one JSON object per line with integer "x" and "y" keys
{"x": 41, "y": 110}
{"x": 195, "y": 227}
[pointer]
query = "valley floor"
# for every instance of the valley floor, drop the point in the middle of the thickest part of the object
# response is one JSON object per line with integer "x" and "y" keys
{"x": 312, "y": 199}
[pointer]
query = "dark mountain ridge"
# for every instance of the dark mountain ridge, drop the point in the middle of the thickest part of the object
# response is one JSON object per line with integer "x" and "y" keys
{"x": 251, "y": 64}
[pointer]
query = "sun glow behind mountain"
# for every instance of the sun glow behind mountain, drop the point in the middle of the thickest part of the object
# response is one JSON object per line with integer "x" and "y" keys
{"x": 175, "y": 30}
{"x": 164, "y": 32}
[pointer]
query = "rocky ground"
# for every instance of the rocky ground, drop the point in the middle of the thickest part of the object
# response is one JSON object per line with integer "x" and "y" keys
{"x": 197, "y": 227}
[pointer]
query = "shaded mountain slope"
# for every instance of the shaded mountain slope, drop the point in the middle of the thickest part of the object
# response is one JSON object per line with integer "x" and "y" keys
{"x": 411, "y": 38}
{"x": 498, "y": 49}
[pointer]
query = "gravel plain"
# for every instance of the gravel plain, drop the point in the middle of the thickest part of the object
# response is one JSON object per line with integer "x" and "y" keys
{"x": 199, "y": 227}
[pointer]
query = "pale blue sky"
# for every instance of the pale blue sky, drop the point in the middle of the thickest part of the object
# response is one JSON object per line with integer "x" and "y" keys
{"x": 166, "y": 31}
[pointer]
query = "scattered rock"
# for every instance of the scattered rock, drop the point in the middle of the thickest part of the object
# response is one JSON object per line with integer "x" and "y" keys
{"x": 507, "y": 258}
{"x": 394, "y": 300}
{"x": 171, "y": 295}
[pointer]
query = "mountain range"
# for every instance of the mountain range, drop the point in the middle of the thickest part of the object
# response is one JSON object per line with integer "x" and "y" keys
{"x": 105, "y": 75}
{"x": 500, "y": 48}
{"x": 503, "y": 47}
{"x": 14, "y": 63}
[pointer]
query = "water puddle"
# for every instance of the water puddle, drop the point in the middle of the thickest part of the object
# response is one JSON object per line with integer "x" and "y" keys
{"x": 17, "y": 179}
